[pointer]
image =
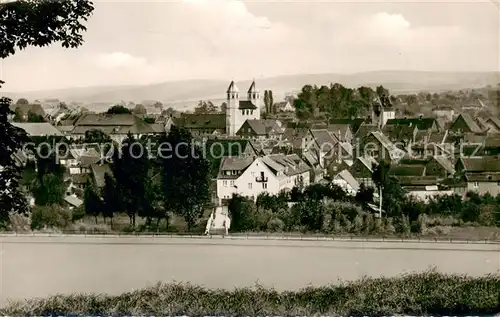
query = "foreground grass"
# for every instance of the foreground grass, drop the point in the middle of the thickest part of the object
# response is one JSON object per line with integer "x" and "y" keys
{"x": 428, "y": 293}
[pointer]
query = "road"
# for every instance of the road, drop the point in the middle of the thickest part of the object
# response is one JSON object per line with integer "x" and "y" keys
{"x": 42, "y": 266}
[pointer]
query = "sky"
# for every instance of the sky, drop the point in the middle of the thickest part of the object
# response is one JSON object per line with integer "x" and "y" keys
{"x": 136, "y": 43}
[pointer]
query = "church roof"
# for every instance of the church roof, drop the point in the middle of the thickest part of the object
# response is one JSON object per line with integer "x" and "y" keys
{"x": 232, "y": 87}
{"x": 252, "y": 87}
{"x": 247, "y": 104}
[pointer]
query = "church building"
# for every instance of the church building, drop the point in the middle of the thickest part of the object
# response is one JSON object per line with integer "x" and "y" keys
{"x": 238, "y": 111}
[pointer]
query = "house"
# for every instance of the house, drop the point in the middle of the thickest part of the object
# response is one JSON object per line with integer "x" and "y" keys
{"x": 269, "y": 174}
{"x": 284, "y": 106}
{"x": 445, "y": 112}
{"x": 217, "y": 149}
{"x": 38, "y": 129}
{"x": 79, "y": 158}
{"x": 238, "y": 111}
{"x": 482, "y": 174}
{"x": 72, "y": 201}
{"x": 317, "y": 171}
{"x": 428, "y": 144}
{"x": 362, "y": 170}
{"x": 377, "y": 145}
{"x": 347, "y": 182}
{"x": 117, "y": 126}
{"x": 200, "y": 124}
{"x": 465, "y": 123}
{"x": 382, "y": 111}
{"x": 422, "y": 123}
{"x": 260, "y": 129}
{"x": 401, "y": 135}
{"x": 423, "y": 188}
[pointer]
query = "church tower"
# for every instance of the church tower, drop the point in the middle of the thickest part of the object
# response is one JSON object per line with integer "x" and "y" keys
{"x": 233, "y": 103}
{"x": 253, "y": 95}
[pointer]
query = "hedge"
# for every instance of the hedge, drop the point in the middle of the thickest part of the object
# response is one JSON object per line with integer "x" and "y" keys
{"x": 428, "y": 293}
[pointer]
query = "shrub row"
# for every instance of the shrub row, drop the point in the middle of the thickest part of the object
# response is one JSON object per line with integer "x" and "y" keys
{"x": 428, "y": 293}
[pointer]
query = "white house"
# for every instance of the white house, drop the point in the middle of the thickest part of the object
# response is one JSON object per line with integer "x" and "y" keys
{"x": 348, "y": 183}
{"x": 238, "y": 111}
{"x": 269, "y": 174}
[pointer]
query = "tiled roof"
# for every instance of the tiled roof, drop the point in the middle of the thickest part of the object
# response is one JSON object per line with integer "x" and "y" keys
{"x": 368, "y": 161}
{"x": 345, "y": 175}
{"x": 247, "y": 104}
{"x": 202, "y": 121}
{"x": 421, "y": 123}
{"x": 469, "y": 121}
{"x": 112, "y": 124}
{"x": 445, "y": 163}
{"x": 481, "y": 164}
{"x": 399, "y": 132}
{"x": 365, "y": 129}
{"x": 324, "y": 139}
{"x": 38, "y": 129}
{"x": 99, "y": 171}
{"x": 233, "y": 164}
{"x": 495, "y": 121}
{"x": 417, "y": 180}
{"x": 232, "y": 87}
{"x": 492, "y": 141}
{"x": 482, "y": 177}
{"x": 65, "y": 128}
{"x": 252, "y": 87}
{"x": 407, "y": 170}
{"x": 73, "y": 201}
{"x": 354, "y": 124}
{"x": 289, "y": 164}
{"x": 263, "y": 127}
{"x": 158, "y": 127}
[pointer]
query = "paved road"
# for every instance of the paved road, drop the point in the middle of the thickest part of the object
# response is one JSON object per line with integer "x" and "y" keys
{"x": 41, "y": 266}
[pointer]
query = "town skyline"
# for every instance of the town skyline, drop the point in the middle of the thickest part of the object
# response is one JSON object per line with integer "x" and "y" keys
{"x": 224, "y": 40}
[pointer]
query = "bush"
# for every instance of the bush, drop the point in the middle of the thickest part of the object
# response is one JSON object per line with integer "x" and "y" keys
{"x": 487, "y": 216}
{"x": 19, "y": 223}
{"x": 426, "y": 294}
{"x": 275, "y": 225}
{"x": 50, "y": 217}
{"x": 77, "y": 214}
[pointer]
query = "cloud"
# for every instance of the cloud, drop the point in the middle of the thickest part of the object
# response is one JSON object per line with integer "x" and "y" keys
{"x": 120, "y": 59}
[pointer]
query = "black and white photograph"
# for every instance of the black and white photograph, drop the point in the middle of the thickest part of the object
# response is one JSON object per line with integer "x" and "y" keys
{"x": 250, "y": 158}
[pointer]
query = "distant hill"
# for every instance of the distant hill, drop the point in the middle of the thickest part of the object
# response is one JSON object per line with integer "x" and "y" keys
{"x": 185, "y": 94}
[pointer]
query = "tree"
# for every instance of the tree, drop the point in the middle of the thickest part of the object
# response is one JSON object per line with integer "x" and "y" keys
{"x": 140, "y": 109}
{"x": 92, "y": 201}
{"x": 118, "y": 109}
{"x": 49, "y": 187}
{"x": 19, "y": 115}
{"x": 205, "y": 107}
{"x": 223, "y": 107}
{"x": 112, "y": 202}
{"x": 186, "y": 176}
{"x": 22, "y": 101}
{"x": 133, "y": 156}
{"x": 271, "y": 102}
{"x": 34, "y": 117}
{"x": 41, "y": 23}
{"x": 96, "y": 136}
{"x": 380, "y": 177}
{"x": 266, "y": 101}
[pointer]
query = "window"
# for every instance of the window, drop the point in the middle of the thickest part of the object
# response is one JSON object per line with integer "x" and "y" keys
{"x": 264, "y": 185}
{"x": 231, "y": 183}
{"x": 253, "y": 174}
{"x": 476, "y": 184}
{"x": 262, "y": 175}
{"x": 249, "y": 185}
{"x": 224, "y": 183}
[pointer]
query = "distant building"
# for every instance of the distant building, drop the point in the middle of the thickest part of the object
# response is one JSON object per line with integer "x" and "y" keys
{"x": 445, "y": 112}
{"x": 238, "y": 111}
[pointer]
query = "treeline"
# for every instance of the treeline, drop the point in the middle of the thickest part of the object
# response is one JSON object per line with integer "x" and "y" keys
{"x": 328, "y": 209}
{"x": 336, "y": 101}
